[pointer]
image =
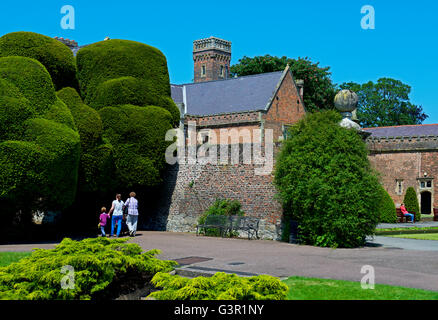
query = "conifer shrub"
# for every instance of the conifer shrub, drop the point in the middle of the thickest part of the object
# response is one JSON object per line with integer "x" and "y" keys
{"x": 102, "y": 267}
{"x": 326, "y": 182}
{"x": 220, "y": 286}
{"x": 31, "y": 79}
{"x": 387, "y": 210}
{"x": 138, "y": 137}
{"x": 56, "y": 57}
{"x": 411, "y": 203}
{"x": 60, "y": 113}
{"x": 61, "y": 168}
{"x": 14, "y": 110}
{"x": 114, "y": 59}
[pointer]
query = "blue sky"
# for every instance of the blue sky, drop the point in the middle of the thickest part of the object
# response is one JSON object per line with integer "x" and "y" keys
{"x": 403, "y": 45}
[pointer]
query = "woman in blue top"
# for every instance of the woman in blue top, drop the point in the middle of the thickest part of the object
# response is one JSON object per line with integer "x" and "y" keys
{"x": 117, "y": 214}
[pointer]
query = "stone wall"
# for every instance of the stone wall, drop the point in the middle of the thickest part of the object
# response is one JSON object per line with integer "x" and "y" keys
{"x": 193, "y": 188}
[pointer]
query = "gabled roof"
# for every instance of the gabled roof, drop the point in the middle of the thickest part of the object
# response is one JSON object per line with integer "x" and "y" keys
{"x": 248, "y": 93}
{"x": 404, "y": 131}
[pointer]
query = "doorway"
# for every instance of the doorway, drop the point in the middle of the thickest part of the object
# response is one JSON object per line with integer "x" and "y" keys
{"x": 426, "y": 202}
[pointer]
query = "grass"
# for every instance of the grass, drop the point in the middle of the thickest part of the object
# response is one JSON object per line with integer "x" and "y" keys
{"x": 301, "y": 288}
{"x": 419, "y": 236}
{"x": 6, "y": 258}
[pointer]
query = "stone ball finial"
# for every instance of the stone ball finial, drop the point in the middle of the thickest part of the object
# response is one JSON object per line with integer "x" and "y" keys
{"x": 346, "y": 100}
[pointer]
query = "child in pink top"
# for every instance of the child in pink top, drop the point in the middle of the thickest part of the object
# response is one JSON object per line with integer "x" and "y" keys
{"x": 103, "y": 220}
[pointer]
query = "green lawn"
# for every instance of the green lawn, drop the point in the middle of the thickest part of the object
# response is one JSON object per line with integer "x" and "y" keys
{"x": 420, "y": 236}
{"x": 301, "y": 288}
{"x": 6, "y": 258}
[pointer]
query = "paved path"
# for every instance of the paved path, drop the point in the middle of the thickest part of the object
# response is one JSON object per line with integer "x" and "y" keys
{"x": 407, "y": 244}
{"x": 421, "y": 224}
{"x": 408, "y": 268}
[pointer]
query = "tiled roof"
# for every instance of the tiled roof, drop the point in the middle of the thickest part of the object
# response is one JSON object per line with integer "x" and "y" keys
{"x": 248, "y": 93}
{"x": 404, "y": 131}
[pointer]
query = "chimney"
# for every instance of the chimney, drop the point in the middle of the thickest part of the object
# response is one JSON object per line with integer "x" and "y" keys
{"x": 300, "y": 87}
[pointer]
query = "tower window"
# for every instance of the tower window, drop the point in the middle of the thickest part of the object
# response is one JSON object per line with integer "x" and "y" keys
{"x": 203, "y": 71}
{"x": 222, "y": 73}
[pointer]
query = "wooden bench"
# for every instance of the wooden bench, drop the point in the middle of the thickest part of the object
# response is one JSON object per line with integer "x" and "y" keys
{"x": 435, "y": 214}
{"x": 402, "y": 217}
{"x": 228, "y": 224}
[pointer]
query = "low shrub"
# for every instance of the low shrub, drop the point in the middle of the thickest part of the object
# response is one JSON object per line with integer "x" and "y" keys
{"x": 221, "y": 207}
{"x": 221, "y": 286}
{"x": 102, "y": 269}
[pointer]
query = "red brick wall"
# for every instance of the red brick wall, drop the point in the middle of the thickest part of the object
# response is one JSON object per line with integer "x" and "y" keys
{"x": 406, "y": 159}
{"x": 287, "y": 107}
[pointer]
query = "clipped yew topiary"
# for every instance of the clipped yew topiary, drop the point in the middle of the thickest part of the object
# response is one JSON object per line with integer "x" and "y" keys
{"x": 220, "y": 286}
{"x": 113, "y": 59}
{"x": 97, "y": 163}
{"x": 97, "y": 269}
{"x": 56, "y": 57}
{"x": 326, "y": 182}
{"x": 411, "y": 202}
{"x": 31, "y": 79}
{"x": 39, "y": 143}
{"x": 387, "y": 210}
{"x": 137, "y": 134}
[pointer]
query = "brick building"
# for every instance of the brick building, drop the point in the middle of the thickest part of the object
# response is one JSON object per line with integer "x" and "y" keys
{"x": 257, "y": 105}
{"x": 403, "y": 155}
{"x": 407, "y": 156}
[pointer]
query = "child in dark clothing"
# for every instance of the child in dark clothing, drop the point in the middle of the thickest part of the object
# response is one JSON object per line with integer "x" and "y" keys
{"x": 103, "y": 220}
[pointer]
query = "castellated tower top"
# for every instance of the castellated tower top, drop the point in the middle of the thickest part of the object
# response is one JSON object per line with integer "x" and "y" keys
{"x": 212, "y": 43}
{"x": 211, "y": 57}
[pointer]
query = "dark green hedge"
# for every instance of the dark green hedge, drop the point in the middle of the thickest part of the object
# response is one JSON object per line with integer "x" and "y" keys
{"x": 60, "y": 113}
{"x": 113, "y": 59}
{"x": 31, "y": 79}
{"x": 23, "y": 167}
{"x": 61, "y": 169}
{"x": 54, "y": 55}
{"x": 87, "y": 120}
{"x": 14, "y": 110}
{"x": 387, "y": 210}
{"x": 138, "y": 137}
{"x": 411, "y": 202}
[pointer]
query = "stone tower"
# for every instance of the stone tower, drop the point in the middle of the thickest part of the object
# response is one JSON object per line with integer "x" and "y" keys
{"x": 211, "y": 57}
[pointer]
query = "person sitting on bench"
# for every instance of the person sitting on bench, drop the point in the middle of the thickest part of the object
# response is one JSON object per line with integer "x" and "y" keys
{"x": 406, "y": 213}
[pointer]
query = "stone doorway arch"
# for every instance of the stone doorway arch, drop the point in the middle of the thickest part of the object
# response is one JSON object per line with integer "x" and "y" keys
{"x": 426, "y": 202}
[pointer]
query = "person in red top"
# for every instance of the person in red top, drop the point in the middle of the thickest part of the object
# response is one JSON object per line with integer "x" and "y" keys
{"x": 406, "y": 213}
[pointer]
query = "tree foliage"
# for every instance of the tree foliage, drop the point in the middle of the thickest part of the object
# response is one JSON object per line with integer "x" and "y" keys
{"x": 326, "y": 183}
{"x": 385, "y": 103}
{"x": 319, "y": 90}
